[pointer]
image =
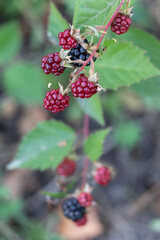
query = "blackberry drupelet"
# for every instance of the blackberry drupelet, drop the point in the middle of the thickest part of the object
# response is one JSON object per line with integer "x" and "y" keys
{"x": 80, "y": 53}
{"x": 72, "y": 209}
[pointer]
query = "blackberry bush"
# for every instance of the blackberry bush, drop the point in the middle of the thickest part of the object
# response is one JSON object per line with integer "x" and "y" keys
{"x": 55, "y": 142}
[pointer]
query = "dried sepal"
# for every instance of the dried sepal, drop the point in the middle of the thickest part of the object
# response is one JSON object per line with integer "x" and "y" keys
{"x": 62, "y": 90}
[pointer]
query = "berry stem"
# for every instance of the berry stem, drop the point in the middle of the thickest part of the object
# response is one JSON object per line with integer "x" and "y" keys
{"x": 101, "y": 38}
{"x": 86, "y": 160}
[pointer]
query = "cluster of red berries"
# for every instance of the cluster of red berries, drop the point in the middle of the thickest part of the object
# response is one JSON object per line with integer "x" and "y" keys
{"x": 56, "y": 100}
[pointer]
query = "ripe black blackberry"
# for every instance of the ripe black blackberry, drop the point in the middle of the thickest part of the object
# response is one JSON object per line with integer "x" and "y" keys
{"x": 72, "y": 209}
{"x": 80, "y": 53}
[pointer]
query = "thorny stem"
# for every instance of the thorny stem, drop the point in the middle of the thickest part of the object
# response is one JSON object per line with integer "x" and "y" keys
{"x": 86, "y": 160}
{"x": 101, "y": 38}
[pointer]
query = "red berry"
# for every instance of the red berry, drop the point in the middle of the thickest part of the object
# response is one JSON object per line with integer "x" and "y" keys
{"x": 83, "y": 88}
{"x": 66, "y": 40}
{"x": 51, "y": 64}
{"x": 55, "y": 102}
{"x": 81, "y": 222}
{"x": 85, "y": 199}
{"x": 102, "y": 175}
{"x": 121, "y": 24}
{"x": 66, "y": 168}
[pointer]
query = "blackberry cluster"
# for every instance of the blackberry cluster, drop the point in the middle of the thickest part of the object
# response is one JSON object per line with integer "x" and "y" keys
{"x": 72, "y": 209}
{"x": 80, "y": 53}
{"x": 121, "y": 24}
{"x": 55, "y": 102}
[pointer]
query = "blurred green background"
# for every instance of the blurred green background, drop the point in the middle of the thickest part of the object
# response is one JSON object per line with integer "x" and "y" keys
{"x": 133, "y": 147}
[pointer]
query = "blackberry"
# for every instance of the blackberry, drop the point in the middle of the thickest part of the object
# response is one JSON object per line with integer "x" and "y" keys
{"x": 51, "y": 64}
{"x": 83, "y": 88}
{"x": 85, "y": 199}
{"x": 55, "y": 102}
{"x": 66, "y": 40}
{"x": 66, "y": 168}
{"x": 121, "y": 24}
{"x": 80, "y": 53}
{"x": 72, "y": 209}
{"x": 103, "y": 175}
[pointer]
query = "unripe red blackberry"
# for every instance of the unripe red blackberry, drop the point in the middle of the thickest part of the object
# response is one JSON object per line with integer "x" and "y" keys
{"x": 79, "y": 53}
{"x": 51, "y": 64}
{"x": 121, "y": 24}
{"x": 66, "y": 40}
{"x": 102, "y": 175}
{"x": 81, "y": 222}
{"x": 85, "y": 199}
{"x": 66, "y": 168}
{"x": 72, "y": 209}
{"x": 55, "y": 102}
{"x": 83, "y": 88}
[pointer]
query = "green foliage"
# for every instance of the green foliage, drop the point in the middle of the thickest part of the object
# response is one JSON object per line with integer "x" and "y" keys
{"x": 10, "y": 41}
{"x": 127, "y": 134}
{"x": 124, "y": 64}
{"x": 24, "y": 82}
{"x": 93, "y": 147}
{"x": 45, "y": 146}
{"x": 151, "y": 45}
{"x": 93, "y": 108}
{"x": 9, "y": 208}
{"x": 56, "y": 22}
{"x": 89, "y": 12}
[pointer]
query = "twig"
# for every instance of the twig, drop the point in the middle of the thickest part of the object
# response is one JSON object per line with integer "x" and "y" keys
{"x": 86, "y": 160}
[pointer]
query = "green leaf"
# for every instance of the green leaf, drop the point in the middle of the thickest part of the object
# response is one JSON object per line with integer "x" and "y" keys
{"x": 151, "y": 45}
{"x": 124, "y": 64}
{"x": 93, "y": 108}
{"x": 91, "y": 12}
{"x": 127, "y": 134}
{"x": 45, "y": 146}
{"x": 93, "y": 146}
{"x": 56, "y": 22}
{"x": 25, "y": 82}
{"x": 54, "y": 195}
{"x": 10, "y": 41}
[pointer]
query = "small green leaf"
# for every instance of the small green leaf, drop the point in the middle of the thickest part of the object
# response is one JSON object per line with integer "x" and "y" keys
{"x": 94, "y": 144}
{"x": 25, "y": 82}
{"x": 56, "y": 22}
{"x": 10, "y": 41}
{"x": 54, "y": 195}
{"x": 93, "y": 108}
{"x": 124, "y": 64}
{"x": 45, "y": 146}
